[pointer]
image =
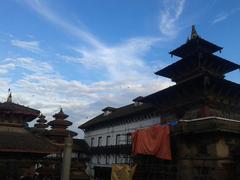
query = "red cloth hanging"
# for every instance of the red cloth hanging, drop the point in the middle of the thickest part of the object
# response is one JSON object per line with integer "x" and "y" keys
{"x": 154, "y": 141}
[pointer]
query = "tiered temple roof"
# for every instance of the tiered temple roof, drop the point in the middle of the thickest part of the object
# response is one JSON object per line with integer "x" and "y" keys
{"x": 197, "y": 58}
{"x": 41, "y": 122}
{"x": 15, "y": 138}
{"x": 199, "y": 78}
{"x": 195, "y": 45}
{"x": 59, "y": 131}
{"x": 12, "y": 114}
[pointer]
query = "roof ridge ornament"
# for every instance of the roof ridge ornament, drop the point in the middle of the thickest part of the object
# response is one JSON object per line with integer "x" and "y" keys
{"x": 194, "y": 33}
{"x": 9, "y": 98}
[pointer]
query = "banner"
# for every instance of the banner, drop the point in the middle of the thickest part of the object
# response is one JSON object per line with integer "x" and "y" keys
{"x": 154, "y": 141}
{"x": 122, "y": 172}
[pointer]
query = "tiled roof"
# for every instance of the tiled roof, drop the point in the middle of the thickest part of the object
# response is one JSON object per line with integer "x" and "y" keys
{"x": 60, "y": 123}
{"x": 9, "y": 107}
{"x": 121, "y": 112}
{"x": 191, "y": 64}
{"x": 195, "y": 45}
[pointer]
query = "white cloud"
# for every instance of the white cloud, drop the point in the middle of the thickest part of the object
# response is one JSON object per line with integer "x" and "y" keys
{"x": 123, "y": 61}
{"x": 44, "y": 10}
{"x": 5, "y": 68}
{"x": 169, "y": 17}
{"x": 32, "y": 46}
{"x": 48, "y": 91}
{"x": 220, "y": 18}
{"x": 30, "y": 64}
{"x": 223, "y": 16}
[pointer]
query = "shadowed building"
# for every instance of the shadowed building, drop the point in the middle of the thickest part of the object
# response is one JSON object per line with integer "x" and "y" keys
{"x": 19, "y": 148}
{"x": 205, "y": 142}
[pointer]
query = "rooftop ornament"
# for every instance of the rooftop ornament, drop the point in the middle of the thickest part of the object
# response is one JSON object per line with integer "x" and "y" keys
{"x": 194, "y": 33}
{"x": 9, "y": 98}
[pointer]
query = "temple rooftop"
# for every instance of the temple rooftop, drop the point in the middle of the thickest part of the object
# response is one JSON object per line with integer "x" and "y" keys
{"x": 195, "y": 44}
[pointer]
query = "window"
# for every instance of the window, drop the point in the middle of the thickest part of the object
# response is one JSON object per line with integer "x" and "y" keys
{"x": 107, "y": 158}
{"x": 129, "y": 138}
{"x": 117, "y": 139}
{"x": 100, "y": 141}
{"x": 92, "y": 142}
{"x": 108, "y": 141}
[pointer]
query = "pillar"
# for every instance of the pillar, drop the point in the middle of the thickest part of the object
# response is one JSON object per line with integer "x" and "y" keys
{"x": 67, "y": 156}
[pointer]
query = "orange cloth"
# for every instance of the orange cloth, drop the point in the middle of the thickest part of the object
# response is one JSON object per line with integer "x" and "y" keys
{"x": 154, "y": 140}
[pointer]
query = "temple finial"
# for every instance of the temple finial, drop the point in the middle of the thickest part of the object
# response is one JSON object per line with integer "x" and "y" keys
{"x": 9, "y": 98}
{"x": 194, "y": 33}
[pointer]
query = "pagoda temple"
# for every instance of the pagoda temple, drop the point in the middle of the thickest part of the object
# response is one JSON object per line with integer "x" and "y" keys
{"x": 59, "y": 125}
{"x": 41, "y": 122}
{"x": 200, "y": 89}
{"x": 19, "y": 148}
{"x": 206, "y": 108}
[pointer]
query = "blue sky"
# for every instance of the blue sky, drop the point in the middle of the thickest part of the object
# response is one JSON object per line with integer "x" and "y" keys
{"x": 85, "y": 55}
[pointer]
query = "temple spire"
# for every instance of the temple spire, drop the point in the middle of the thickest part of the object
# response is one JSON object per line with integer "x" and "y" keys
{"x": 9, "y": 98}
{"x": 194, "y": 33}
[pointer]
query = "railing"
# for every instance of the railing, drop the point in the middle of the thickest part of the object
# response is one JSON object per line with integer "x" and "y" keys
{"x": 113, "y": 149}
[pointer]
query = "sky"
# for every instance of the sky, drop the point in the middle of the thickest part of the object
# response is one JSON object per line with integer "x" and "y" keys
{"x": 88, "y": 54}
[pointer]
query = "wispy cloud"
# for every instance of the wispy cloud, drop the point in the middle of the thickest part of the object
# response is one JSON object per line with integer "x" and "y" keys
{"x": 120, "y": 60}
{"x": 32, "y": 46}
{"x": 41, "y": 8}
{"x": 169, "y": 17}
{"x": 127, "y": 73}
{"x": 223, "y": 16}
{"x": 123, "y": 61}
{"x": 220, "y": 17}
{"x": 5, "y": 68}
{"x": 30, "y": 64}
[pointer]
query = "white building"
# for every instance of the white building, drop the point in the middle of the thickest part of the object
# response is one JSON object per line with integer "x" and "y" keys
{"x": 109, "y": 135}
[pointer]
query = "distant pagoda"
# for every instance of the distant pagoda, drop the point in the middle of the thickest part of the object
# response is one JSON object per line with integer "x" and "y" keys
{"x": 41, "y": 122}
{"x": 200, "y": 82}
{"x": 59, "y": 131}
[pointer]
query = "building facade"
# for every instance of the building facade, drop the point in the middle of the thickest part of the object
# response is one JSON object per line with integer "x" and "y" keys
{"x": 109, "y": 135}
{"x": 206, "y": 106}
